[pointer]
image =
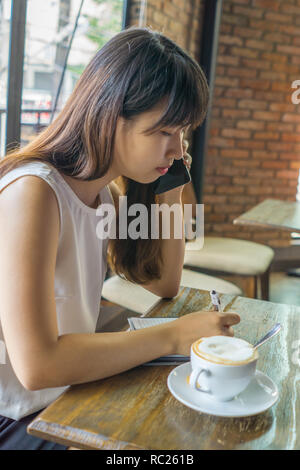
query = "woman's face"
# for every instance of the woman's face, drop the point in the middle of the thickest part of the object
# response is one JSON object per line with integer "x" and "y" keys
{"x": 138, "y": 156}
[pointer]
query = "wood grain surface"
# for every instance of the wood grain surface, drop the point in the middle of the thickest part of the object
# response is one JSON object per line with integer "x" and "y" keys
{"x": 273, "y": 213}
{"x": 135, "y": 410}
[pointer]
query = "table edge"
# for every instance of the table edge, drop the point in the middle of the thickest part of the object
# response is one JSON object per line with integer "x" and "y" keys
{"x": 73, "y": 437}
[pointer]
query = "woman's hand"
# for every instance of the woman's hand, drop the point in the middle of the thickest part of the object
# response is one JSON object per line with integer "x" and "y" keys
{"x": 187, "y": 159}
{"x": 193, "y": 326}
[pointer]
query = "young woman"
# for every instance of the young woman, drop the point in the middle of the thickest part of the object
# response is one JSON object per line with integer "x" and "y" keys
{"x": 125, "y": 119}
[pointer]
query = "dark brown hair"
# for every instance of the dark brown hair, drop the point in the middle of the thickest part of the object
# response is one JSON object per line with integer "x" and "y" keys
{"x": 130, "y": 74}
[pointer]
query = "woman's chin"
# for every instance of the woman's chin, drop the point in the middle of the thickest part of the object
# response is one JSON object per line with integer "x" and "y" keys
{"x": 145, "y": 180}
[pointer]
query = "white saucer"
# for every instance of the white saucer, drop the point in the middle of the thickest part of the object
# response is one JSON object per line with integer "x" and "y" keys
{"x": 260, "y": 395}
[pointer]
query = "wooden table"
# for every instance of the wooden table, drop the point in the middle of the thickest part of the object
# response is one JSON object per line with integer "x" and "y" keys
{"x": 135, "y": 410}
{"x": 272, "y": 213}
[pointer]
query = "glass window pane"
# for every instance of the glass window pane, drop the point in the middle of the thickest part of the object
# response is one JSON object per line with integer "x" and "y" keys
{"x": 5, "y": 13}
{"x": 49, "y": 28}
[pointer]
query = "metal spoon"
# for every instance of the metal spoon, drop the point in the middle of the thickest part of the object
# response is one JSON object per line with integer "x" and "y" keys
{"x": 276, "y": 328}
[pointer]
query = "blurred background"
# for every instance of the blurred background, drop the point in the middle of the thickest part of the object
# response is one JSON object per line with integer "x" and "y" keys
{"x": 61, "y": 36}
{"x": 247, "y": 149}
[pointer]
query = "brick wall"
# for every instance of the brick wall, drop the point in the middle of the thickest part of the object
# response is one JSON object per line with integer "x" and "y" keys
{"x": 180, "y": 20}
{"x": 254, "y": 144}
{"x": 254, "y": 141}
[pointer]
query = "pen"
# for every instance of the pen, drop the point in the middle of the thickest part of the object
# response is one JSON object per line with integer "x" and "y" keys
{"x": 215, "y": 301}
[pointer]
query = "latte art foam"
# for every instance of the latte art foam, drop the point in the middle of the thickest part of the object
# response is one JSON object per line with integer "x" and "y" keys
{"x": 225, "y": 350}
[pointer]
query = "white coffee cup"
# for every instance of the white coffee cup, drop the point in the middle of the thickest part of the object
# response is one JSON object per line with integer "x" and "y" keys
{"x": 222, "y": 366}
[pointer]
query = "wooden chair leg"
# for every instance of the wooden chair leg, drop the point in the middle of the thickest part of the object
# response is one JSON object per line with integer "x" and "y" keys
{"x": 264, "y": 284}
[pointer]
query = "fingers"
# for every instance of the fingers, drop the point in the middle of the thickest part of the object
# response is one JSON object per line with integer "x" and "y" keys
{"x": 227, "y": 331}
{"x": 228, "y": 319}
{"x": 185, "y": 144}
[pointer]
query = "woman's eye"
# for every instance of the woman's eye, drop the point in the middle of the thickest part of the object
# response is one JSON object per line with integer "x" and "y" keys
{"x": 166, "y": 133}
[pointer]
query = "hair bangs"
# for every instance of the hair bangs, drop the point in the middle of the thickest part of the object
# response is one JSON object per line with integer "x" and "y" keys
{"x": 186, "y": 95}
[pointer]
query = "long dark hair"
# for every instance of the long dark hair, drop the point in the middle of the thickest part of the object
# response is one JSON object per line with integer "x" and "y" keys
{"x": 130, "y": 74}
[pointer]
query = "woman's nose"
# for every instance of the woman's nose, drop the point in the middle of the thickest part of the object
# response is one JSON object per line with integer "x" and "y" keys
{"x": 176, "y": 148}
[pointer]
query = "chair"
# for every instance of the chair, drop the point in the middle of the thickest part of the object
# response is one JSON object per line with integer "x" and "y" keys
{"x": 135, "y": 297}
{"x": 232, "y": 256}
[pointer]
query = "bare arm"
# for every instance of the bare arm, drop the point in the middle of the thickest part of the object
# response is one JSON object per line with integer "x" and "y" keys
{"x": 41, "y": 358}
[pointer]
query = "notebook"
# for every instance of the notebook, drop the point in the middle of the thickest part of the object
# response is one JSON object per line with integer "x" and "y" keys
{"x": 136, "y": 323}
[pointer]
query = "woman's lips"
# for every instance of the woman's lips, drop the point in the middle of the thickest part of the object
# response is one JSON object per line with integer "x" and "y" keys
{"x": 163, "y": 171}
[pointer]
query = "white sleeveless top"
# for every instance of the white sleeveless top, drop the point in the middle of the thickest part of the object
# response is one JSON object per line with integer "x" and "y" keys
{"x": 79, "y": 275}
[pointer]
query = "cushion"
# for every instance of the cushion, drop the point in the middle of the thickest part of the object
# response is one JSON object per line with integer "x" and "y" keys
{"x": 137, "y": 298}
{"x": 229, "y": 255}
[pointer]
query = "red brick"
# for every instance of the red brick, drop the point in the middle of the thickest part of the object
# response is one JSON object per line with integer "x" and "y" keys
{"x": 280, "y": 127}
{"x": 288, "y": 174}
{"x": 282, "y": 107}
{"x": 248, "y": 12}
{"x": 245, "y": 181}
{"x": 227, "y": 208}
{"x": 215, "y": 218}
{"x": 252, "y": 104}
{"x": 255, "y": 84}
{"x": 238, "y": 93}
{"x": 291, "y": 138}
{"x": 236, "y": 133}
{"x": 242, "y": 2}
{"x": 266, "y": 135}
{"x": 250, "y": 144}
{"x": 271, "y": 75}
{"x": 236, "y": 114}
{"x": 230, "y": 189}
{"x": 290, "y": 9}
{"x": 267, "y": 115}
{"x": 278, "y": 37}
{"x": 234, "y": 19}
{"x": 261, "y": 45}
{"x": 227, "y": 81}
{"x": 241, "y": 52}
{"x": 214, "y": 199}
{"x": 228, "y": 60}
{"x": 274, "y": 57}
{"x": 226, "y": 102}
{"x": 295, "y": 165}
{"x": 216, "y": 180}
{"x": 256, "y": 64}
{"x": 278, "y": 17}
{"x": 287, "y": 68}
{"x": 287, "y": 117}
{"x": 275, "y": 165}
{"x": 269, "y": 96}
{"x": 248, "y": 32}
{"x": 246, "y": 163}
{"x": 230, "y": 40}
{"x": 225, "y": 28}
{"x": 268, "y": 4}
{"x": 288, "y": 29}
{"x": 261, "y": 173}
{"x": 290, "y": 50}
{"x": 241, "y": 72}
{"x": 290, "y": 155}
{"x": 281, "y": 86}
{"x": 264, "y": 155}
{"x": 261, "y": 189}
{"x": 235, "y": 153}
{"x": 280, "y": 147}
{"x": 221, "y": 142}
{"x": 251, "y": 125}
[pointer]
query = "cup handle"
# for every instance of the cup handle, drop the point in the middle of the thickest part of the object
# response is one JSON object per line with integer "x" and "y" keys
{"x": 194, "y": 379}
